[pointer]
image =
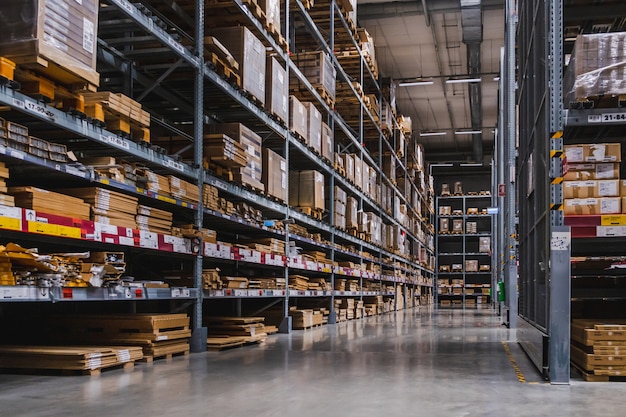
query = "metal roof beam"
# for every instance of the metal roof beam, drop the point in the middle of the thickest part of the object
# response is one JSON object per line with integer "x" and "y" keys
{"x": 390, "y": 9}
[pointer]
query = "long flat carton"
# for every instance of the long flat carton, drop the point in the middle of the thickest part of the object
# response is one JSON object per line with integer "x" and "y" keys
{"x": 590, "y": 171}
{"x": 277, "y": 89}
{"x": 275, "y": 174}
{"x": 594, "y": 152}
{"x": 607, "y": 205}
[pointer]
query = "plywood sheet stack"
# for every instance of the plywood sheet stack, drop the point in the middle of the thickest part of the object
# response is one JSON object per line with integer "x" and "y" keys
{"x": 271, "y": 283}
{"x": 226, "y": 331}
{"x": 67, "y": 358}
{"x": 183, "y": 190}
{"x": 224, "y": 150}
{"x": 156, "y": 183}
{"x": 318, "y": 284}
{"x": 211, "y": 279}
{"x": 108, "y": 207}
{"x": 122, "y": 114}
{"x": 6, "y": 273}
{"x": 301, "y": 319}
{"x": 250, "y": 174}
{"x": 5, "y": 199}
{"x": 210, "y": 197}
{"x": 50, "y": 202}
{"x": 298, "y": 282}
{"x": 599, "y": 347}
{"x": 153, "y": 219}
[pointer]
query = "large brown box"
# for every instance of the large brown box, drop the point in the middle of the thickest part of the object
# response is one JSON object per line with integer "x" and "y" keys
{"x": 471, "y": 265}
{"x": 590, "y": 171}
{"x": 328, "y": 144}
{"x": 275, "y": 174}
{"x": 352, "y": 209}
{"x": 484, "y": 244}
{"x": 298, "y": 117}
{"x": 358, "y": 170}
{"x": 62, "y": 32}
{"x": 249, "y": 52}
{"x": 348, "y": 163}
{"x": 318, "y": 69}
{"x": 457, "y": 225}
{"x": 607, "y": 205}
{"x": 306, "y": 189}
{"x": 594, "y": 152}
{"x": 579, "y": 189}
{"x": 277, "y": 89}
{"x": 314, "y": 127}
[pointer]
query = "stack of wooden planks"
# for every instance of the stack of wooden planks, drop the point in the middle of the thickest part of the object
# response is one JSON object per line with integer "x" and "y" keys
{"x": 108, "y": 207}
{"x": 67, "y": 358}
{"x": 598, "y": 348}
{"x": 298, "y": 282}
{"x": 50, "y": 202}
{"x": 227, "y": 332}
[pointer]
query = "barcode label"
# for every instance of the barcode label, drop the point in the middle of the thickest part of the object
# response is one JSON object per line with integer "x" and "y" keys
{"x": 174, "y": 165}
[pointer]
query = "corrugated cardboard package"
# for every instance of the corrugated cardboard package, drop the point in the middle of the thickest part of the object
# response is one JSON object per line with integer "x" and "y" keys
{"x": 311, "y": 192}
{"x": 358, "y": 170}
{"x": 249, "y": 52}
{"x": 277, "y": 89}
{"x": 607, "y": 205}
{"x": 298, "y": 117}
{"x": 352, "y": 208}
{"x": 327, "y": 142}
{"x": 275, "y": 174}
{"x": 348, "y": 163}
{"x": 584, "y": 172}
{"x": 314, "y": 127}
{"x": 594, "y": 152}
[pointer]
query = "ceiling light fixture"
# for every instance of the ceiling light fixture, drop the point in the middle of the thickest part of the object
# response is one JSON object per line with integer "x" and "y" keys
{"x": 468, "y": 132}
{"x": 423, "y": 134}
{"x": 496, "y": 78}
{"x": 471, "y": 164}
{"x": 415, "y": 83}
{"x": 463, "y": 80}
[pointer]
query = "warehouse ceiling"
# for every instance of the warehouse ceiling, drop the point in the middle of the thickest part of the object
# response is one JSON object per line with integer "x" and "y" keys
{"x": 439, "y": 40}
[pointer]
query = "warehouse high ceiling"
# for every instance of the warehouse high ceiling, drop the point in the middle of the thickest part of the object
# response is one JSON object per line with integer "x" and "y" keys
{"x": 439, "y": 41}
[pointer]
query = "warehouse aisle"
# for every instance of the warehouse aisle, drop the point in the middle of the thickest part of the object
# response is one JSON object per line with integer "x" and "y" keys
{"x": 445, "y": 363}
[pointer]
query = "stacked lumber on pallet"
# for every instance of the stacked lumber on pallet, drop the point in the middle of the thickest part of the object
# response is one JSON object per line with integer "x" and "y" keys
{"x": 156, "y": 183}
{"x": 67, "y": 358}
{"x": 298, "y": 282}
{"x": 5, "y": 199}
{"x": 225, "y": 332}
{"x": 50, "y": 202}
{"x": 598, "y": 348}
{"x": 210, "y": 197}
{"x": 153, "y": 219}
{"x": 224, "y": 151}
{"x": 119, "y": 112}
{"x": 183, "y": 190}
{"x": 108, "y": 207}
{"x": 305, "y": 318}
{"x": 273, "y": 283}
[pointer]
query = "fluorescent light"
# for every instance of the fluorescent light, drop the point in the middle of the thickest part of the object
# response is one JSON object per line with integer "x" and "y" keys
{"x": 496, "y": 78}
{"x": 442, "y": 165}
{"x": 468, "y": 132}
{"x": 432, "y": 134}
{"x": 463, "y": 80}
{"x": 471, "y": 164}
{"x": 415, "y": 83}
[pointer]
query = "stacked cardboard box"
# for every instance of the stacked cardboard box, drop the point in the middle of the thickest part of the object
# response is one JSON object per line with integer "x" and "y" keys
{"x": 183, "y": 190}
{"x": 154, "y": 220}
{"x": 249, "y": 52}
{"x": 599, "y": 346}
{"x": 224, "y": 151}
{"x": 328, "y": 142}
{"x": 341, "y": 198}
{"x": 592, "y": 185}
{"x": 50, "y": 202}
{"x": 348, "y": 163}
{"x": 314, "y": 127}
{"x": 210, "y": 197}
{"x": 108, "y": 207}
{"x": 298, "y": 118}
{"x": 5, "y": 199}
{"x": 352, "y": 209}
{"x": 277, "y": 88}
{"x": 61, "y": 32}
{"x": 123, "y": 111}
{"x": 250, "y": 174}
{"x": 318, "y": 69}
{"x": 275, "y": 174}
{"x": 244, "y": 329}
{"x": 306, "y": 189}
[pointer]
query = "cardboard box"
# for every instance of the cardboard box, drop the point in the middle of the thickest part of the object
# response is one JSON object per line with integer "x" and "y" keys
{"x": 608, "y": 205}
{"x": 579, "y": 189}
{"x": 298, "y": 117}
{"x": 348, "y": 163}
{"x": 62, "y": 32}
{"x": 314, "y": 127}
{"x": 251, "y": 143}
{"x": 352, "y": 208}
{"x": 584, "y": 172}
{"x": 277, "y": 88}
{"x": 358, "y": 170}
{"x": 484, "y": 244}
{"x": 318, "y": 69}
{"x": 445, "y": 210}
{"x": 444, "y": 225}
{"x": 275, "y": 174}
{"x": 457, "y": 225}
{"x": 595, "y": 152}
{"x": 471, "y": 265}
{"x": 249, "y": 52}
{"x": 311, "y": 192}
{"x": 328, "y": 142}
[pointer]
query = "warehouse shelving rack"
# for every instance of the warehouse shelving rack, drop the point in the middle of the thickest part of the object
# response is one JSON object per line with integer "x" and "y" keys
{"x": 161, "y": 53}
{"x": 457, "y": 248}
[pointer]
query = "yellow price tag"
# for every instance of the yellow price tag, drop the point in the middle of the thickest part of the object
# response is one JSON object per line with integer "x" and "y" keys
{"x": 166, "y": 199}
{"x": 45, "y": 228}
{"x": 617, "y": 220}
{"x": 10, "y": 223}
{"x": 67, "y": 231}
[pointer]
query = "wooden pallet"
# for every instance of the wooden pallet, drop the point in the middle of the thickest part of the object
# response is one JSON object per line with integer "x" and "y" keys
{"x": 166, "y": 356}
{"x": 602, "y": 101}
{"x": 225, "y": 69}
{"x": 312, "y": 212}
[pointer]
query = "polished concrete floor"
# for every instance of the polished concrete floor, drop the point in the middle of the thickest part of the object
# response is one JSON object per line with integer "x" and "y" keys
{"x": 414, "y": 363}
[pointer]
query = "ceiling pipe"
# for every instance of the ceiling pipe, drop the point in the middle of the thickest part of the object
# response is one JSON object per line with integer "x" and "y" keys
{"x": 425, "y": 11}
{"x": 405, "y": 8}
{"x": 472, "y": 24}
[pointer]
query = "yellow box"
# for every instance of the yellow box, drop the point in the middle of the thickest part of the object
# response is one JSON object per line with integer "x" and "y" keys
{"x": 45, "y": 228}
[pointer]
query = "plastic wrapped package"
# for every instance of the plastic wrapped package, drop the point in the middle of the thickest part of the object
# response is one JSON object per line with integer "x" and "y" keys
{"x": 59, "y": 35}
{"x": 597, "y": 67}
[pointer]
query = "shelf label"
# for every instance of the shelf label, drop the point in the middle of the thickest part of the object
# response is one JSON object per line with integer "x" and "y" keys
{"x": 10, "y": 223}
{"x": 44, "y": 228}
{"x": 73, "y": 232}
{"x": 210, "y": 250}
{"x": 105, "y": 228}
{"x": 12, "y": 212}
{"x": 180, "y": 293}
{"x": 73, "y": 171}
{"x": 174, "y": 165}
{"x": 148, "y": 240}
{"x": 127, "y": 241}
{"x": 607, "y": 118}
{"x": 34, "y": 107}
{"x": 166, "y": 199}
{"x": 610, "y": 231}
{"x": 126, "y": 6}
{"x": 16, "y": 154}
{"x": 119, "y": 142}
